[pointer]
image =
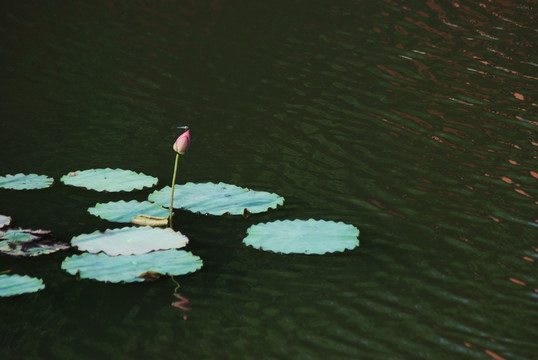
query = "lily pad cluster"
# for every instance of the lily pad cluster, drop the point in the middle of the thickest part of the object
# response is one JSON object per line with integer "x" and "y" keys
{"x": 28, "y": 242}
{"x": 130, "y": 254}
{"x": 141, "y": 253}
{"x": 24, "y": 242}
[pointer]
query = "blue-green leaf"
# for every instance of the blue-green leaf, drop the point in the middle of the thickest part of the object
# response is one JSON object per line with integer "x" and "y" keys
{"x": 217, "y": 199}
{"x": 18, "y": 284}
{"x": 111, "y": 180}
{"x": 302, "y": 236}
{"x": 124, "y": 212}
{"x": 25, "y": 182}
{"x": 130, "y": 240}
{"x": 131, "y": 268}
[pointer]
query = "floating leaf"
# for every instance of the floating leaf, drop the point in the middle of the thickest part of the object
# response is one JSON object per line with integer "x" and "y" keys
{"x": 4, "y": 221}
{"x": 302, "y": 236}
{"x": 122, "y": 211}
{"x": 109, "y": 179}
{"x": 18, "y": 284}
{"x": 130, "y": 240}
{"x": 26, "y": 242}
{"x": 217, "y": 199}
{"x": 131, "y": 268}
{"x": 25, "y": 182}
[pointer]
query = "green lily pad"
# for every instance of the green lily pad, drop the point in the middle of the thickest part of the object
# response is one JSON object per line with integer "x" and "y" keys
{"x": 125, "y": 212}
{"x": 27, "y": 242}
{"x": 302, "y": 236}
{"x": 11, "y": 285}
{"x": 110, "y": 180}
{"x": 4, "y": 221}
{"x": 131, "y": 268}
{"x": 130, "y": 240}
{"x": 25, "y": 182}
{"x": 217, "y": 199}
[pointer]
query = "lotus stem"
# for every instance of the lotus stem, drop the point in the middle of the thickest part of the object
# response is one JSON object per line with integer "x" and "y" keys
{"x": 172, "y": 191}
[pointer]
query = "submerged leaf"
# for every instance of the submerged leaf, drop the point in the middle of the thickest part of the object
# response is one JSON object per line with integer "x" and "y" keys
{"x": 26, "y": 242}
{"x": 109, "y": 179}
{"x": 19, "y": 284}
{"x": 217, "y": 199}
{"x": 131, "y": 268}
{"x": 130, "y": 240}
{"x": 302, "y": 236}
{"x": 148, "y": 220}
{"x": 125, "y": 212}
{"x": 4, "y": 221}
{"x": 25, "y": 182}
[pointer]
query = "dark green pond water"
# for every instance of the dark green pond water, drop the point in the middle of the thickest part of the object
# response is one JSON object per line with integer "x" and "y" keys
{"x": 415, "y": 121}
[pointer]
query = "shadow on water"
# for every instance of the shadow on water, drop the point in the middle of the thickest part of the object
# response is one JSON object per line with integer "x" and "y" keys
{"x": 414, "y": 121}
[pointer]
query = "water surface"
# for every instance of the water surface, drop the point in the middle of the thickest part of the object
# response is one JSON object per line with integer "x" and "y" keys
{"x": 413, "y": 120}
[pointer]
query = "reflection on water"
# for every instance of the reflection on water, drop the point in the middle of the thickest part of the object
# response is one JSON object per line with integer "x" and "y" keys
{"x": 414, "y": 121}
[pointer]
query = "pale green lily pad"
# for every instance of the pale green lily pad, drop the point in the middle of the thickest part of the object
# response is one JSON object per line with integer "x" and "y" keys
{"x": 131, "y": 268}
{"x": 25, "y": 182}
{"x": 4, "y": 221}
{"x": 11, "y": 285}
{"x": 110, "y": 180}
{"x": 27, "y": 242}
{"x": 130, "y": 240}
{"x": 124, "y": 212}
{"x": 303, "y": 236}
{"x": 217, "y": 199}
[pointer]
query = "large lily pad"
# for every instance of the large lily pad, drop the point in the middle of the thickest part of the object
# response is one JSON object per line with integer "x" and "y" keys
{"x": 27, "y": 242}
{"x": 130, "y": 240}
{"x": 110, "y": 180}
{"x": 302, "y": 236}
{"x": 25, "y": 182}
{"x": 11, "y": 285}
{"x": 131, "y": 268}
{"x": 217, "y": 199}
{"x": 124, "y": 212}
{"x": 4, "y": 221}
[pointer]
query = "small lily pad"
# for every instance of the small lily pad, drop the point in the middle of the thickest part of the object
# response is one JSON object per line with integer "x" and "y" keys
{"x": 11, "y": 285}
{"x": 4, "y": 221}
{"x": 27, "y": 242}
{"x": 131, "y": 268}
{"x": 217, "y": 199}
{"x": 302, "y": 236}
{"x": 125, "y": 212}
{"x": 111, "y": 180}
{"x": 130, "y": 240}
{"x": 25, "y": 182}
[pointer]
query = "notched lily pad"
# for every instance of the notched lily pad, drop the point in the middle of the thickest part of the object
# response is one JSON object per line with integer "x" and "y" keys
{"x": 110, "y": 180}
{"x": 302, "y": 236}
{"x": 217, "y": 199}
{"x": 27, "y": 242}
{"x": 131, "y": 268}
{"x": 25, "y": 182}
{"x": 130, "y": 240}
{"x": 125, "y": 212}
{"x": 14, "y": 284}
{"x": 4, "y": 221}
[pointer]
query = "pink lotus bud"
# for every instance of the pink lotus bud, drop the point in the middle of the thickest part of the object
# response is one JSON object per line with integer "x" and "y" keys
{"x": 183, "y": 142}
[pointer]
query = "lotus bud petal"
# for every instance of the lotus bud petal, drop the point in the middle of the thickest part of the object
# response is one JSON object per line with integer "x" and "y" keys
{"x": 182, "y": 143}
